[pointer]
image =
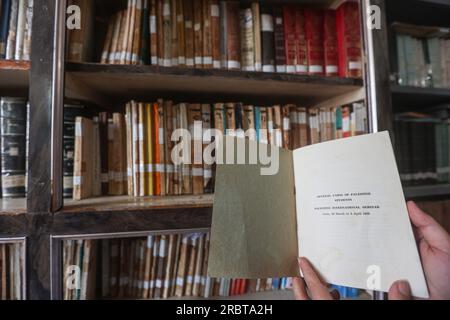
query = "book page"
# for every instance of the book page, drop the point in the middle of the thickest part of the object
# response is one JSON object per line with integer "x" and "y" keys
{"x": 352, "y": 219}
{"x": 253, "y": 233}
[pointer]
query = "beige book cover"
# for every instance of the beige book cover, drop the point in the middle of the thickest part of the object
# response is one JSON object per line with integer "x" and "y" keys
{"x": 338, "y": 203}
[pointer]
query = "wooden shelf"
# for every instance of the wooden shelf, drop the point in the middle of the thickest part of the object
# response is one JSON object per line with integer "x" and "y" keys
{"x": 14, "y": 78}
{"x": 429, "y": 191}
{"x": 418, "y": 98}
{"x": 112, "y": 84}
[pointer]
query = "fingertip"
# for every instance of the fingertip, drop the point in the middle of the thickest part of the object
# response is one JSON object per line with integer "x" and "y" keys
{"x": 400, "y": 290}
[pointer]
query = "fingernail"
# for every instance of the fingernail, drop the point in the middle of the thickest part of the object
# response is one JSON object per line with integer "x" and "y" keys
{"x": 404, "y": 288}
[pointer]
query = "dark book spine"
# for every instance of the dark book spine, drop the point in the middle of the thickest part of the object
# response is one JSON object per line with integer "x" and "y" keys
{"x": 4, "y": 24}
{"x": 13, "y": 116}
{"x": 267, "y": 40}
{"x": 280, "y": 48}
{"x": 145, "y": 57}
{"x": 103, "y": 128}
{"x": 431, "y": 159}
{"x": 223, "y": 35}
{"x": 233, "y": 36}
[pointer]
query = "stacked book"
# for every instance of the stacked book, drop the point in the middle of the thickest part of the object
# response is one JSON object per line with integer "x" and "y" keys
{"x": 11, "y": 271}
{"x": 132, "y": 153}
{"x": 157, "y": 267}
{"x": 423, "y": 62}
{"x": 229, "y": 35}
{"x": 15, "y": 29}
{"x": 422, "y": 148}
{"x": 14, "y": 146}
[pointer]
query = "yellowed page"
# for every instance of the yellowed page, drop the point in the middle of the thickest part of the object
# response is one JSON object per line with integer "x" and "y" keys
{"x": 253, "y": 229}
{"x": 349, "y": 244}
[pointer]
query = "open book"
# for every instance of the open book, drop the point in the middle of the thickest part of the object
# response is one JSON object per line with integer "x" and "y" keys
{"x": 339, "y": 203}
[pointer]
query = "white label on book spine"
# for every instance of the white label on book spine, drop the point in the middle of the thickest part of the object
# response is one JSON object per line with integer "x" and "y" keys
{"x": 14, "y": 151}
{"x": 281, "y": 69}
{"x": 197, "y": 26}
{"x": 197, "y": 172}
{"x": 270, "y": 126}
{"x": 258, "y": 66}
{"x": 166, "y": 10}
{"x": 214, "y": 10}
{"x": 302, "y": 117}
{"x": 161, "y": 168}
{"x": 197, "y": 279}
{"x": 315, "y": 69}
{"x": 153, "y": 24}
{"x": 161, "y": 136}
{"x": 181, "y": 60}
{"x": 104, "y": 177}
{"x": 190, "y": 62}
{"x": 207, "y": 173}
{"x": 198, "y": 60}
{"x": 169, "y": 168}
{"x": 180, "y": 281}
{"x": 186, "y": 171}
{"x": 180, "y": 18}
{"x": 301, "y": 68}
{"x": 232, "y": 64}
{"x": 77, "y": 180}
{"x": 354, "y": 65}
{"x": 167, "y": 62}
{"x": 189, "y": 279}
{"x": 268, "y": 68}
{"x": 248, "y": 68}
{"x": 331, "y": 69}
{"x": 286, "y": 124}
{"x": 290, "y": 69}
{"x": 78, "y": 129}
{"x": 68, "y": 182}
{"x": 158, "y": 283}
{"x": 207, "y": 60}
{"x": 154, "y": 60}
{"x": 216, "y": 64}
{"x": 279, "y": 21}
{"x": 188, "y": 24}
{"x": 266, "y": 22}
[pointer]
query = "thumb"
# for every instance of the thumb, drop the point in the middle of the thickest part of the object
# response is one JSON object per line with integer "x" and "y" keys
{"x": 400, "y": 290}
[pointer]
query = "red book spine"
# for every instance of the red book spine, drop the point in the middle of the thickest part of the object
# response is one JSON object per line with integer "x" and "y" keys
{"x": 300, "y": 42}
{"x": 233, "y": 287}
{"x": 314, "y": 40}
{"x": 244, "y": 286}
{"x": 330, "y": 44}
{"x": 289, "y": 38}
{"x": 349, "y": 40}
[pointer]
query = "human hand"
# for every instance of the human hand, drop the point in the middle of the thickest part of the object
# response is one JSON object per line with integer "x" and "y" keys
{"x": 312, "y": 284}
{"x": 434, "y": 250}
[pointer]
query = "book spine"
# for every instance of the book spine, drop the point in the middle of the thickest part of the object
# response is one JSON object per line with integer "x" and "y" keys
{"x": 286, "y": 126}
{"x": 207, "y": 35}
{"x": 167, "y": 34}
{"x": 83, "y": 161}
{"x": 198, "y": 34}
{"x": 21, "y": 24}
{"x": 159, "y": 7}
{"x": 154, "y": 31}
{"x": 330, "y": 44}
{"x": 302, "y": 117}
{"x": 149, "y": 149}
{"x": 247, "y": 40}
{"x": 280, "y": 48}
{"x": 144, "y": 55}
{"x": 142, "y": 150}
{"x": 108, "y": 41}
{"x": 267, "y": 40}
{"x": 189, "y": 32}
{"x": 12, "y": 30}
{"x": 314, "y": 23}
{"x": 28, "y": 30}
{"x": 127, "y": 41}
{"x": 115, "y": 38}
{"x": 215, "y": 33}
{"x": 168, "y": 146}
{"x": 232, "y": 34}
{"x": 181, "y": 45}
{"x": 223, "y": 20}
{"x": 174, "y": 32}
{"x": 138, "y": 30}
{"x": 300, "y": 41}
{"x": 181, "y": 271}
{"x": 196, "y": 130}
{"x": 135, "y": 142}
{"x": 290, "y": 38}
{"x": 96, "y": 177}
{"x": 257, "y": 35}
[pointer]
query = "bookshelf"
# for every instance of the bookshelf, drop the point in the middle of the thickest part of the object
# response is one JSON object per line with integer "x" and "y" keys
{"x": 44, "y": 220}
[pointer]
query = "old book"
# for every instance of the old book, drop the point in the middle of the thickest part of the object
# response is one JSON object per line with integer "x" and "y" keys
{"x": 215, "y": 33}
{"x": 80, "y": 41}
{"x": 233, "y": 35}
{"x": 230, "y": 114}
{"x": 247, "y": 40}
{"x": 207, "y": 34}
{"x": 108, "y": 41}
{"x": 154, "y": 31}
{"x": 158, "y": 142}
{"x": 267, "y": 40}
{"x": 223, "y": 20}
{"x": 181, "y": 46}
{"x": 302, "y": 116}
{"x": 121, "y": 35}
{"x": 301, "y": 49}
{"x": 138, "y": 29}
{"x": 219, "y": 117}
{"x": 196, "y": 130}
{"x": 182, "y": 266}
{"x": 261, "y": 124}
{"x": 168, "y": 274}
{"x": 314, "y": 129}
{"x": 83, "y": 167}
{"x": 295, "y": 132}
{"x": 167, "y": 33}
{"x": 314, "y": 29}
{"x": 145, "y": 293}
{"x": 142, "y": 150}
{"x": 160, "y": 31}
{"x": 161, "y": 266}
{"x": 126, "y": 35}
{"x": 4, "y": 26}
{"x": 117, "y": 162}
{"x": 319, "y": 186}
{"x": 28, "y": 30}
{"x": 12, "y": 30}
{"x": 184, "y": 181}
{"x": 277, "y": 126}
{"x": 115, "y": 37}
{"x": 207, "y": 139}
{"x": 169, "y": 117}
{"x": 198, "y": 34}
{"x": 13, "y": 120}
{"x": 21, "y": 25}
{"x": 257, "y": 35}
{"x": 149, "y": 149}
{"x": 188, "y": 11}
{"x": 289, "y": 16}
{"x": 279, "y": 41}
{"x": 349, "y": 40}
{"x": 135, "y": 141}
{"x": 96, "y": 158}
{"x": 286, "y": 127}
{"x": 174, "y": 32}
{"x": 331, "y": 57}
{"x": 130, "y": 146}
{"x": 248, "y": 122}
{"x": 198, "y": 266}
{"x": 144, "y": 41}
{"x": 193, "y": 250}
{"x": 270, "y": 125}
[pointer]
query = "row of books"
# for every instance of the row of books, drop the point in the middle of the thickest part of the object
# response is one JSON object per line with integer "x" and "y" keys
{"x": 422, "y": 148}
{"x": 423, "y": 62}
{"x": 14, "y": 146}
{"x": 11, "y": 271}
{"x": 156, "y": 267}
{"x": 15, "y": 29}
{"x": 228, "y": 35}
{"x": 131, "y": 154}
